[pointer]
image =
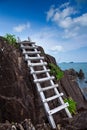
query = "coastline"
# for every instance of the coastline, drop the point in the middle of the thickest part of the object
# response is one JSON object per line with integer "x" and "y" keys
{"x": 77, "y": 66}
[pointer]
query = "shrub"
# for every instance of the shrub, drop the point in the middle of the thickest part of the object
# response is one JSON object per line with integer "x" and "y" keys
{"x": 56, "y": 71}
{"x": 72, "y": 105}
{"x": 11, "y": 39}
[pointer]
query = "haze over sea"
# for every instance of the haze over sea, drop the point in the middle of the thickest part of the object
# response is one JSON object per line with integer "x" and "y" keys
{"x": 77, "y": 67}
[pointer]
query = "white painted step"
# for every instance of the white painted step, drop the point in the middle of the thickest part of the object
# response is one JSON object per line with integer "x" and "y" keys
{"x": 34, "y": 58}
{"x": 49, "y": 87}
{"x": 28, "y": 47}
{"x": 43, "y": 79}
{"x": 52, "y": 98}
{"x": 40, "y": 71}
{"x": 58, "y": 108}
{"x": 31, "y": 52}
{"x": 37, "y": 64}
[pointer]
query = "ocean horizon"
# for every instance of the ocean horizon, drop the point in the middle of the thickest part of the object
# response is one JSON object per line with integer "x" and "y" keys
{"x": 75, "y": 65}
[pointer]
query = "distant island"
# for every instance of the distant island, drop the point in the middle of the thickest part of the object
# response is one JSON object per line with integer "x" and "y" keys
{"x": 71, "y": 62}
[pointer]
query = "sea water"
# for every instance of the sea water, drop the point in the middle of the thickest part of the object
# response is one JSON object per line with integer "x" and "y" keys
{"x": 77, "y": 67}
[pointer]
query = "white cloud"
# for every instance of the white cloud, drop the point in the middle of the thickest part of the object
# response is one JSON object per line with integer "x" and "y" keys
{"x": 69, "y": 20}
{"x": 56, "y": 17}
{"x": 81, "y": 20}
{"x": 57, "y": 48}
{"x": 46, "y": 33}
{"x": 64, "y": 5}
{"x": 62, "y": 16}
{"x": 50, "y": 13}
{"x": 66, "y": 23}
{"x": 21, "y": 27}
{"x": 47, "y": 38}
{"x": 67, "y": 12}
{"x": 71, "y": 33}
{"x": 54, "y": 40}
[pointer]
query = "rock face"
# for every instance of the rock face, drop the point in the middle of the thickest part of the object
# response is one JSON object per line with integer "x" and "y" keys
{"x": 18, "y": 94}
{"x": 81, "y": 74}
{"x": 70, "y": 88}
{"x": 19, "y": 98}
{"x": 78, "y": 122}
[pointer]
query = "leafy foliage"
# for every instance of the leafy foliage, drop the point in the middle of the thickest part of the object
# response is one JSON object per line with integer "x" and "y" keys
{"x": 56, "y": 71}
{"x": 72, "y": 105}
{"x": 11, "y": 39}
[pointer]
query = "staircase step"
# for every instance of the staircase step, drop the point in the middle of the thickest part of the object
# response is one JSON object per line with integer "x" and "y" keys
{"x": 49, "y": 87}
{"x": 31, "y": 52}
{"x": 34, "y": 58}
{"x": 26, "y": 42}
{"x": 37, "y": 64}
{"x": 32, "y": 42}
{"x": 40, "y": 71}
{"x": 58, "y": 108}
{"x": 43, "y": 79}
{"x": 53, "y": 97}
{"x": 28, "y": 47}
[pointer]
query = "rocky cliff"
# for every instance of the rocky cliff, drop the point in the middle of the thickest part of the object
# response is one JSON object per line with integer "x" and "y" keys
{"x": 20, "y": 103}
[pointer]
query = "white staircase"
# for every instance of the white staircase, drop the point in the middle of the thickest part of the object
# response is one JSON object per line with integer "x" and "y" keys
{"x": 34, "y": 59}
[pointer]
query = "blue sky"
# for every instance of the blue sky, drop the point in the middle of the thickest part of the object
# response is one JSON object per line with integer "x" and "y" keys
{"x": 59, "y": 26}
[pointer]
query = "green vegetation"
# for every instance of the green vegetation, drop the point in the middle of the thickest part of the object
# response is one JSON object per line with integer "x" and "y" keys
{"x": 72, "y": 105}
{"x": 11, "y": 39}
{"x": 56, "y": 71}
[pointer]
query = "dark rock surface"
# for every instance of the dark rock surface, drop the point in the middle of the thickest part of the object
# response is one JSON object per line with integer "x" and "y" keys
{"x": 81, "y": 74}
{"x": 19, "y": 98}
{"x": 70, "y": 88}
{"x": 86, "y": 81}
{"x": 78, "y": 122}
{"x": 16, "y": 84}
